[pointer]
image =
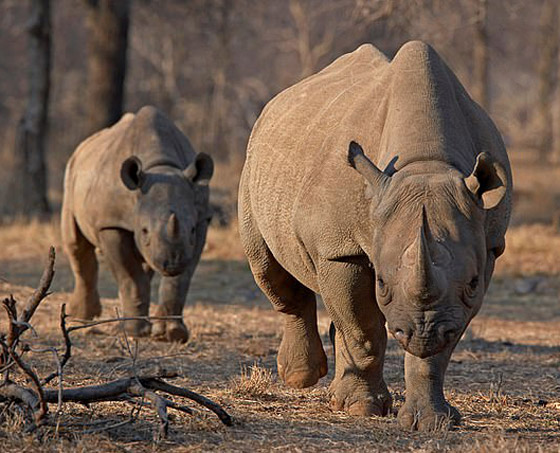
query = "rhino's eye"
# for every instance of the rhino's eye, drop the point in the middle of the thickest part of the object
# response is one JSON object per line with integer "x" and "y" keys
{"x": 471, "y": 288}
{"x": 382, "y": 288}
{"x": 144, "y": 231}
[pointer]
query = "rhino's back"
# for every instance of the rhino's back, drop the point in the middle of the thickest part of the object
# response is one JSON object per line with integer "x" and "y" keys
{"x": 300, "y": 137}
{"x": 93, "y": 188}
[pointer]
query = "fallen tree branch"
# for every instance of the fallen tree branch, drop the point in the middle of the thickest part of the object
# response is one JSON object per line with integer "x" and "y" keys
{"x": 34, "y": 401}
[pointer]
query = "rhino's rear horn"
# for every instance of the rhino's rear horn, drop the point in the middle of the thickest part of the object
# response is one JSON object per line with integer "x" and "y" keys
{"x": 373, "y": 175}
{"x": 173, "y": 229}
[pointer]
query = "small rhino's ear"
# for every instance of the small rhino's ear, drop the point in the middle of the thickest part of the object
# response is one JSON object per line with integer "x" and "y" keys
{"x": 487, "y": 182}
{"x": 200, "y": 171}
{"x": 373, "y": 175}
{"x": 131, "y": 173}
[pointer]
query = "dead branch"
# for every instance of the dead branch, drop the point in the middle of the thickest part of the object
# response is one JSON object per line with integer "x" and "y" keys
{"x": 34, "y": 401}
{"x": 42, "y": 291}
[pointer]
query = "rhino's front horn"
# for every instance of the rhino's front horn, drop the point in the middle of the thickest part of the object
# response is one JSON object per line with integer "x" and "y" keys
{"x": 173, "y": 229}
{"x": 424, "y": 283}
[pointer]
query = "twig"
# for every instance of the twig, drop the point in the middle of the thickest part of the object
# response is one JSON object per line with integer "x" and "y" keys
{"x": 36, "y": 400}
{"x": 158, "y": 384}
{"x": 42, "y": 291}
{"x": 110, "y": 320}
{"x": 13, "y": 336}
{"x": 67, "y": 351}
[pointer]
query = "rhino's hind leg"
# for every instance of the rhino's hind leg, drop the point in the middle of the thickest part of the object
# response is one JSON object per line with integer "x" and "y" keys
{"x": 301, "y": 357}
{"x": 84, "y": 302}
{"x": 360, "y": 339}
{"x": 133, "y": 279}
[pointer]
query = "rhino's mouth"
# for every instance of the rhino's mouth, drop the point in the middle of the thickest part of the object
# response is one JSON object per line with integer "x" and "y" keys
{"x": 424, "y": 346}
{"x": 172, "y": 270}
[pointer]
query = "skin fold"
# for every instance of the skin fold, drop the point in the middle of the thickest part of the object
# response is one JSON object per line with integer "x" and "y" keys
{"x": 138, "y": 193}
{"x": 383, "y": 187}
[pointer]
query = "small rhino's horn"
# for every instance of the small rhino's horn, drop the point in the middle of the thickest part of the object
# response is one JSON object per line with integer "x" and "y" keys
{"x": 424, "y": 282}
{"x": 173, "y": 226}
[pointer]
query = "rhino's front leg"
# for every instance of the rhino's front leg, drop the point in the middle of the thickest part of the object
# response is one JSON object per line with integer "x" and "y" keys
{"x": 348, "y": 292}
{"x": 425, "y": 408}
{"x": 172, "y": 295}
{"x": 133, "y": 279}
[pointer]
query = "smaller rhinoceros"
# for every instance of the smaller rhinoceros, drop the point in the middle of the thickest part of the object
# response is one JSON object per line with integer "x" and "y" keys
{"x": 137, "y": 192}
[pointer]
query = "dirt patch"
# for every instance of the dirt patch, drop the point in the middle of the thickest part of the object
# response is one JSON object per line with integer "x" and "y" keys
{"x": 504, "y": 377}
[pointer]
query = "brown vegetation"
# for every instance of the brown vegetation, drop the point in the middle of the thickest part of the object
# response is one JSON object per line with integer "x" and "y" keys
{"x": 212, "y": 66}
{"x": 504, "y": 376}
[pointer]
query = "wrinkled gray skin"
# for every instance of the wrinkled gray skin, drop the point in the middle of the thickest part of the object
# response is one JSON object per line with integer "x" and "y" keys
{"x": 138, "y": 192}
{"x": 412, "y": 245}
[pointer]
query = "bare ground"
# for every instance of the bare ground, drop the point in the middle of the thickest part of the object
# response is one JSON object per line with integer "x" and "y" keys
{"x": 504, "y": 376}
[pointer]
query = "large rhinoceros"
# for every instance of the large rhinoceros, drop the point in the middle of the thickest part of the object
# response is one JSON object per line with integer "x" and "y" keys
{"x": 404, "y": 231}
{"x": 138, "y": 192}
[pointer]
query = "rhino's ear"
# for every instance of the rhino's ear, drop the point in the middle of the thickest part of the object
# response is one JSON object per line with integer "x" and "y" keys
{"x": 487, "y": 182}
{"x": 131, "y": 173}
{"x": 373, "y": 175}
{"x": 200, "y": 171}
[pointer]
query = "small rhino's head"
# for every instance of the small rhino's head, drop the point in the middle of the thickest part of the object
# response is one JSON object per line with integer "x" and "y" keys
{"x": 430, "y": 249}
{"x": 166, "y": 214}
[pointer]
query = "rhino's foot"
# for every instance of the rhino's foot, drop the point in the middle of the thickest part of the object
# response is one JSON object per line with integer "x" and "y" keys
{"x": 422, "y": 415}
{"x": 301, "y": 363}
{"x": 138, "y": 328}
{"x": 172, "y": 331}
{"x": 84, "y": 306}
{"x": 357, "y": 399}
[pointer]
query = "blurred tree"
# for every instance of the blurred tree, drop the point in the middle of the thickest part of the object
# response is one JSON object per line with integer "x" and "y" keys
{"x": 556, "y": 110}
{"x": 219, "y": 99}
{"x": 548, "y": 50}
{"x": 480, "y": 55}
{"x": 107, "y": 45}
{"x": 29, "y": 180}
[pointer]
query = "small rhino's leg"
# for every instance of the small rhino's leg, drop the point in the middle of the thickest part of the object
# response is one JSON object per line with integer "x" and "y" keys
{"x": 425, "y": 408}
{"x": 84, "y": 303}
{"x": 126, "y": 263}
{"x": 301, "y": 358}
{"x": 173, "y": 294}
{"x": 360, "y": 338}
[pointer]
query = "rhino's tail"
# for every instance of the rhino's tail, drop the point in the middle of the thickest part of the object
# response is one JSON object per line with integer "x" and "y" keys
{"x": 332, "y": 335}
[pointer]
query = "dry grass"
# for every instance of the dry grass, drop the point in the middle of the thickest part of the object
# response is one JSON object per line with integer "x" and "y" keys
{"x": 504, "y": 376}
{"x": 254, "y": 381}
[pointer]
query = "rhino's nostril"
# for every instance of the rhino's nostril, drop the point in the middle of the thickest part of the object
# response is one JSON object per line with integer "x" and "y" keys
{"x": 446, "y": 334}
{"x": 166, "y": 264}
{"x": 401, "y": 336}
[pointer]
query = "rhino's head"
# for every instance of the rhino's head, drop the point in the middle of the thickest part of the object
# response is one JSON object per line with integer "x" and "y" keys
{"x": 165, "y": 215}
{"x": 430, "y": 249}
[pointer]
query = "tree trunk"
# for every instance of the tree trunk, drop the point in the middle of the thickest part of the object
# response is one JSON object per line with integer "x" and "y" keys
{"x": 29, "y": 184}
{"x": 547, "y": 62}
{"x": 480, "y": 55}
{"x": 556, "y": 109}
{"x": 107, "y": 45}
